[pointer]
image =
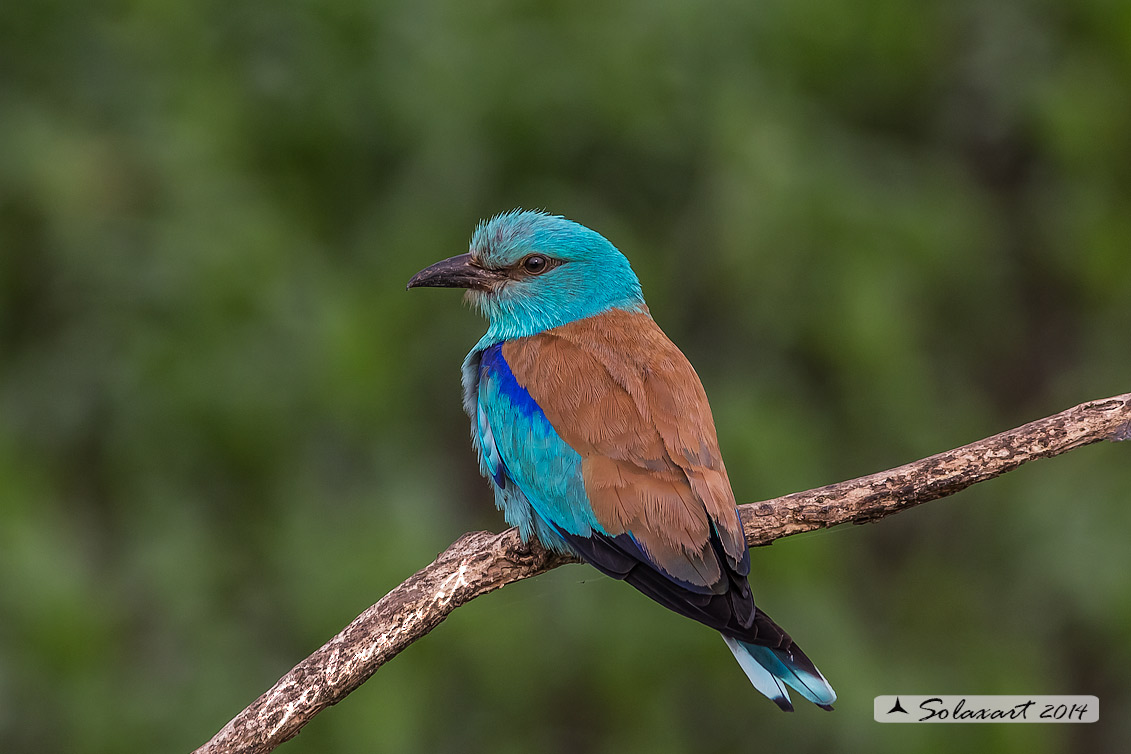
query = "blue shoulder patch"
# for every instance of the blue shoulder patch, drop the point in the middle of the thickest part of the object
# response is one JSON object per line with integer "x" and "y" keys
{"x": 492, "y": 360}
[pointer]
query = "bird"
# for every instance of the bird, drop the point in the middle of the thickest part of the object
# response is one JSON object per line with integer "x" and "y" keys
{"x": 596, "y": 435}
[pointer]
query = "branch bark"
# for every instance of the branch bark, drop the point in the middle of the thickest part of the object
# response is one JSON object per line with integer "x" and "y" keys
{"x": 481, "y": 562}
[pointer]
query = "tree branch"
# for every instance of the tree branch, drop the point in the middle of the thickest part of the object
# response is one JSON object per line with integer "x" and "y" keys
{"x": 480, "y": 562}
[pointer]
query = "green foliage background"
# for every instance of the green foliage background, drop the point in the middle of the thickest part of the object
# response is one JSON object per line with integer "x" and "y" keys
{"x": 879, "y": 229}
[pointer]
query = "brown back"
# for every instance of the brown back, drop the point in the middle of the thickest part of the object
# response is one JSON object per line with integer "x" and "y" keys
{"x": 622, "y": 395}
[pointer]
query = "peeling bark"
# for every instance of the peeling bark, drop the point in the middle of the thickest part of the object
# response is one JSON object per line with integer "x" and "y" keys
{"x": 481, "y": 562}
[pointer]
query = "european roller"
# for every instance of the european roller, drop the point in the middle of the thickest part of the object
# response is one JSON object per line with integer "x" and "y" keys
{"x": 597, "y": 437}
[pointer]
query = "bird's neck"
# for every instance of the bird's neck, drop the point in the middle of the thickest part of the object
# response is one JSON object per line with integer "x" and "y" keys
{"x": 508, "y": 325}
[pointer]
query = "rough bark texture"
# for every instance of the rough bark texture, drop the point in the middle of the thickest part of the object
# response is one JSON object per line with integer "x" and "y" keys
{"x": 480, "y": 562}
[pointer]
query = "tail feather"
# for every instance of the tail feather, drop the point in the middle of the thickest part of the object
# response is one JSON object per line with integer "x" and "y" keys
{"x": 767, "y": 683}
{"x": 769, "y": 670}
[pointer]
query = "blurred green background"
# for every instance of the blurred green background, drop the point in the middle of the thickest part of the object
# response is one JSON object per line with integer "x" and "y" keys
{"x": 878, "y": 229}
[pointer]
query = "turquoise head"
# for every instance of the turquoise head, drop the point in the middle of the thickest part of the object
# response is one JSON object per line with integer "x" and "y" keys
{"x": 530, "y": 271}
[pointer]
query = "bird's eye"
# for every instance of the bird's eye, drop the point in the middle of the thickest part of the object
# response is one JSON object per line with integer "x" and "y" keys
{"x": 536, "y": 264}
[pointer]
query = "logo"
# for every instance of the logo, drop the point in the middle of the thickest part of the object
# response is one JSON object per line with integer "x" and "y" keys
{"x": 954, "y": 708}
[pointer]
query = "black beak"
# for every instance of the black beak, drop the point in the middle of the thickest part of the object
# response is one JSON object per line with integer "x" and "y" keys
{"x": 456, "y": 272}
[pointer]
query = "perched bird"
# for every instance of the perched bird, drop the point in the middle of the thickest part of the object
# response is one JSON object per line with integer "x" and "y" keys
{"x": 596, "y": 435}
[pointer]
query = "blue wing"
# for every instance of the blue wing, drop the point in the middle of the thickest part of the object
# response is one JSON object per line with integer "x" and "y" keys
{"x": 536, "y": 475}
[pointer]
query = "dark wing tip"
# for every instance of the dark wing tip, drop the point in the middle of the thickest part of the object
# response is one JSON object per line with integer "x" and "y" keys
{"x": 826, "y": 707}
